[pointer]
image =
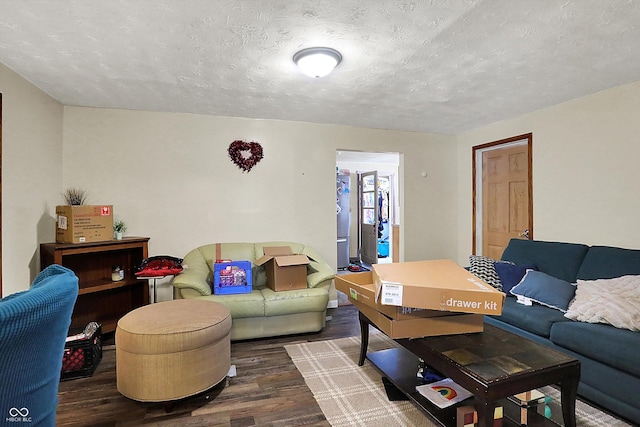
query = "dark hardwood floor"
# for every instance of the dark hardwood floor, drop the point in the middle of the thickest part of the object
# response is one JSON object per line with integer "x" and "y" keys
{"x": 267, "y": 391}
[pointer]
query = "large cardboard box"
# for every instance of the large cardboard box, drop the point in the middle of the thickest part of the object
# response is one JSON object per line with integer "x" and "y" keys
{"x": 360, "y": 287}
{"x": 84, "y": 223}
{"x": 435, "y": 285}
{"x": 422, "y": 327}
{"x": 285, "y": 270}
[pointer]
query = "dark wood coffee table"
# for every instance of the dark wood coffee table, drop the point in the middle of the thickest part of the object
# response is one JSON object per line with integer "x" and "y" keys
{"x": 492, "y": 365}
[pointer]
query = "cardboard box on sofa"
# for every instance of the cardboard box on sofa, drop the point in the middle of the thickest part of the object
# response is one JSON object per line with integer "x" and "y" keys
{"x": 360, "y": 287}
{"x": 435, "y": 285}
{"x": 422, "y": 327}
{"x": 84, "y": 223}
{"x": 285, "y": 270}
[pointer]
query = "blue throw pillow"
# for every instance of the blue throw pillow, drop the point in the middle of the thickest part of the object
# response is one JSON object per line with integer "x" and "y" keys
{"x": 483, "y": 268}
{"x": 546, "y": 290}
{"x": 510, "y": 275}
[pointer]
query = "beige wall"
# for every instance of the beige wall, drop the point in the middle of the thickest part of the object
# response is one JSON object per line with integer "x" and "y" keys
{"x": 169, "y": 177}
{"x": 31, "y": 176}
{"x": 586, "y": 172}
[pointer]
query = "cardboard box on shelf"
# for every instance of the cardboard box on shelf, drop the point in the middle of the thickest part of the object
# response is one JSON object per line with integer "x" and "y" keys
{"x": 435, "y": 285}
{"x": 467, "y": 416}
{"x": 360, "y": 287}
{"x": 530, "y": 403}
{"x": 422, "y": 327}
{"x": 84, "y": 223}
{"x": 285, "y": 270}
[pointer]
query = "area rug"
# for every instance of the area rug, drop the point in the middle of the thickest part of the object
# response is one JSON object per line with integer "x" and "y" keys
{"x": 352, "y": 395}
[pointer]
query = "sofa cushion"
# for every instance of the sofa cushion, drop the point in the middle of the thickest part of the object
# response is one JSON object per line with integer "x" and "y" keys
{"x": 296, "y": 248}
{"x": 605, "y": 262}
{"x": 294, "y": 301}
{"x": 483, "y": 268}
{"x": 536, "y": 319}
{"x": 546, "y": 290}
{"x": 561, "y": 260}
{"x": 232, "y": 251}
{"x": 242, "y": 305}
{"x": 511, "y": 274}
{"x": 605, "y": 343}
{"x": 613, "y": 301}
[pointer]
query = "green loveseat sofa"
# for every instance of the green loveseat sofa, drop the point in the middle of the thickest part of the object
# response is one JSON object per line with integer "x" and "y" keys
{"x": 263, "y": 312}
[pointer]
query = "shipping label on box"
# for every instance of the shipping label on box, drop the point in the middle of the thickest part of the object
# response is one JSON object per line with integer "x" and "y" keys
{"x": 285, "y": 270}
{"x": 360, "y": 287}
{"x": 435, "y": 285}
{"x": 84, "y": 223}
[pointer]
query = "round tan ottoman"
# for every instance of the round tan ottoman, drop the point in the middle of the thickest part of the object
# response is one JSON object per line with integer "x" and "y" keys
{"x": 172, "y": 349}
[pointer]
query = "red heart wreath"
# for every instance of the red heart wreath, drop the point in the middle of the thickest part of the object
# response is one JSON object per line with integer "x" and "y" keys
{"x": 245, "y": 154}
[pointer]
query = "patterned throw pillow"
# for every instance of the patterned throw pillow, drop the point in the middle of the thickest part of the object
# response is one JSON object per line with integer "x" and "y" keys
{"x": 614, "y": 301}
{"x": 483, "y": 268}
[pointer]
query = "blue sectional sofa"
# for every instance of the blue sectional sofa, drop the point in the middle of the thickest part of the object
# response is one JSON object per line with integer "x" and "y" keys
{"x": 609, "y": 356}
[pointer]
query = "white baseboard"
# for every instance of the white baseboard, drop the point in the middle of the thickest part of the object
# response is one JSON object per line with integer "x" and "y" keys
{"x": 333, "y": 303}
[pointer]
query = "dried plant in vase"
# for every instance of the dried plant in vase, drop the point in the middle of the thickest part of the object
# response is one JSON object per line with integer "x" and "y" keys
{"x": 75, "y": 196}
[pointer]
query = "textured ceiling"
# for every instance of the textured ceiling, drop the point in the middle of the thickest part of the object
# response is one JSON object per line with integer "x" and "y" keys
{"x": 435, "y": 66}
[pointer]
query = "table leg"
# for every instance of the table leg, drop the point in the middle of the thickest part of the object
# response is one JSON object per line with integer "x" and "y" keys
{"x": 486, "y": 412}
{"x": 569, "y": 390}
{"x": 364, "y": 338}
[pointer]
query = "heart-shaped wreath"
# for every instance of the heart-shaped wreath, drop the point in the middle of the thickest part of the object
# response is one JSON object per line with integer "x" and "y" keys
{"x": 245, "y": 154}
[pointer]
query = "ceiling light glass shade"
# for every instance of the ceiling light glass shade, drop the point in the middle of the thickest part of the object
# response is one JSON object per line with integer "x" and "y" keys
{"x": 317, "y": 61}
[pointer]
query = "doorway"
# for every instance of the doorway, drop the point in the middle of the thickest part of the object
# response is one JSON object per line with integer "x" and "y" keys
{"x": 502, "y": 194}
{"x": 368, "y": 219}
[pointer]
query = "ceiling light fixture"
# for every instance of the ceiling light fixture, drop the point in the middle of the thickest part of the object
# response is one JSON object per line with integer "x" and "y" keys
{"x": 317, "y": 61}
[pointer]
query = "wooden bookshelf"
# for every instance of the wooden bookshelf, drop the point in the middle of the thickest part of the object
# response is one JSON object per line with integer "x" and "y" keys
{"x": 99, "y": 298}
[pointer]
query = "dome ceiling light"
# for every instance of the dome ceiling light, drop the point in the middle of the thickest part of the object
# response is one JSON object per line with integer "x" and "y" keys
{"x": 317, "y": 61}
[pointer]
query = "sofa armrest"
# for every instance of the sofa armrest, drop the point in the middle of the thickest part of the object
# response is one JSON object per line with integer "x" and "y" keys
{"x": 318, "y": 272}
{"x": 197, "y": 275}
{"x": 191, "y": 280}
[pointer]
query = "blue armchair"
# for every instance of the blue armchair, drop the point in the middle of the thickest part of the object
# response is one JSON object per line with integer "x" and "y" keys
{"x": 33, "y": 328}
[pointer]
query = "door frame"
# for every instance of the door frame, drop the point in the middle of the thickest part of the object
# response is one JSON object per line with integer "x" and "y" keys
{"x": 368, "y": 160}
{"x": 476, "y": 173}
{"x": 1, "y": 294}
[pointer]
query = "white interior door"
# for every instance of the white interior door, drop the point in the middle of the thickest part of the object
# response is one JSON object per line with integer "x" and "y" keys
{"x": 369, "y": 217}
